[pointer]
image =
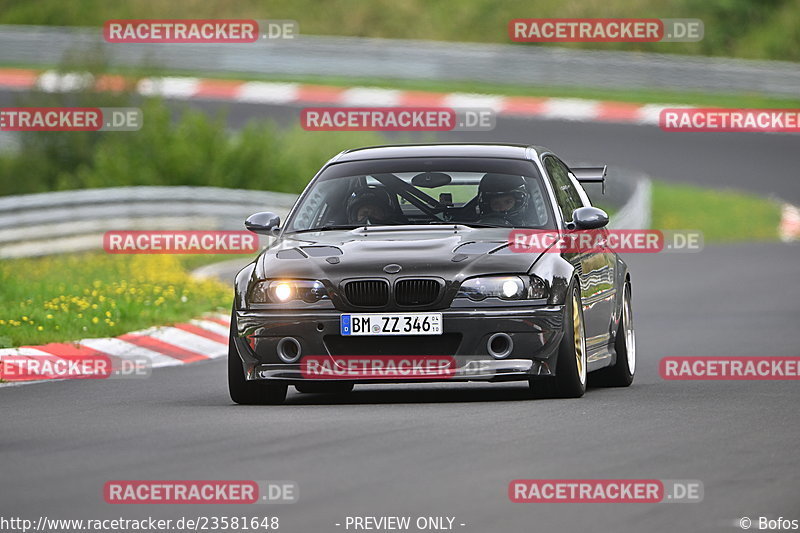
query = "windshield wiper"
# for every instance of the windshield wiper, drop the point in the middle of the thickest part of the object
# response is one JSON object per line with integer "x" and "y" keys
{"x": 366, "y": 227}
{"x": 327, "y": 228}
{"x": 468, "y": 224}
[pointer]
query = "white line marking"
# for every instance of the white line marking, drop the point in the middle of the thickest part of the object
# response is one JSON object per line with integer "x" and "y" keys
{"x": 225, "y": 318}
{"x": 23, "y": 351}
{"x": 368, "y": 96}
{"x": 570, "y": 109}
{"x": 169, "y": 87}
{"x": 188, "y": 341}
{"x": 264, "y": 92}
{"x": 56, "y": 82}
{"x": 213, "y": 327}
{"x": 650, "y": 113}
{"x": 120, "y": 348}
{"x": 474, "y": 100}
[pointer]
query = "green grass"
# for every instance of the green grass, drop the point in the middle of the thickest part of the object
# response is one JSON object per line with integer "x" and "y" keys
{"x": 722, "y": 215}
{"x": 69, "y": 297}
{"x": 737, "y": 28}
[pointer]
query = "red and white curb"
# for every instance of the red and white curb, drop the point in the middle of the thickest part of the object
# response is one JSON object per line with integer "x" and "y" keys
{"x": 201, "y": 339}
{"x": 187, "y": 88}
{"x": 789, "y": 229}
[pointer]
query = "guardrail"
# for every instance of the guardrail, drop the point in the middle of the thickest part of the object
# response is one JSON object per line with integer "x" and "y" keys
{"x": 407, "y": 59}
{"x": 632, "y": 192}
{"x": 72, "y": 221}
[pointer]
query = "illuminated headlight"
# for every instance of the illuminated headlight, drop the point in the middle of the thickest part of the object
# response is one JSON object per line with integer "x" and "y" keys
{"x": 282, "y": 291}
{"x": 286, "y": 290}
{"x": 503, "y": 287}
{"x": 511, "y": 288}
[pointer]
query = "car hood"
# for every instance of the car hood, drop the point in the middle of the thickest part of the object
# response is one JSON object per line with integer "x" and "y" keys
{"x": 449, "y": 252}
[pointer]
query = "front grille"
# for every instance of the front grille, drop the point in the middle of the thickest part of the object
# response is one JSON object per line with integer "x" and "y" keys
{"x": 367, "y": 293}
{"x": 416, "y": 291}
{"x": 445, "y": 344}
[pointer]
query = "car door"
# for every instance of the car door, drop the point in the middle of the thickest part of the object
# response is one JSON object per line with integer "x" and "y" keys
{"x": 595, "y": 267}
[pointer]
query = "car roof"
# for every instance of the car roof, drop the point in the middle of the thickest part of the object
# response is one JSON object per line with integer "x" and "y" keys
{"x": 394, "y": 151}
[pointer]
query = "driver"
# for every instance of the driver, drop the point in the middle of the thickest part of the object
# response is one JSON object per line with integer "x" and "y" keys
{"x": 503, "y": 200}
{"x": 373, "y": 206}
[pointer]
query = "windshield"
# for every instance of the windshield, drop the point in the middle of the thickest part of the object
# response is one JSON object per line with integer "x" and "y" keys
{"x": 481, "y": 193}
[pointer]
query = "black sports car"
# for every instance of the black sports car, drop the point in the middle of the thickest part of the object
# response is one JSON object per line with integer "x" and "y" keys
{"x": 395, "y": 264}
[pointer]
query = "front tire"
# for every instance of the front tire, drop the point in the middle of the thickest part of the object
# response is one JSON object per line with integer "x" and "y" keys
{"x": 570, "y": 378}
{"x": 249, "y": 392}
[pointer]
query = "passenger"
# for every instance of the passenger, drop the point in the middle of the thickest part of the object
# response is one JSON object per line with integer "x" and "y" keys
{"x": 373, "y": 206}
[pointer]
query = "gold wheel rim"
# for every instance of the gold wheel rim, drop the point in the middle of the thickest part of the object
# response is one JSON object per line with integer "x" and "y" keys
{"x": 578, "y": 341}
{"x": 630, "y": 336}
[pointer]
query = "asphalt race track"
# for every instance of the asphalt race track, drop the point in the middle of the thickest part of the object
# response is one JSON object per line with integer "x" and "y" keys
{"x": 451, "y": 450}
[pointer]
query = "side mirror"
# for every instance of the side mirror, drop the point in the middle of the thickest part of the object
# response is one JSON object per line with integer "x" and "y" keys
{"x": 265, "y": 223}
{"x": 589, "y": 218}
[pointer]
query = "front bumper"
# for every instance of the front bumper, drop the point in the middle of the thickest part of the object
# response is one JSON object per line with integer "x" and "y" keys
{"x": 535, "y": 332}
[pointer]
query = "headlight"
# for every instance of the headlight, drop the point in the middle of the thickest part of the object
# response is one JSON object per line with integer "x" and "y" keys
{"x": 285, "y": 290}
{"x": 503, "y": 287}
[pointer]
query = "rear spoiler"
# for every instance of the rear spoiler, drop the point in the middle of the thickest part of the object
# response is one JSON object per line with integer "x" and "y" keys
{"x": 591, "y": 175}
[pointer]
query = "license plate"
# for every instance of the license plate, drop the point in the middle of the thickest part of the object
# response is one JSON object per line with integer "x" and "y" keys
{"x": 392, "y": 324}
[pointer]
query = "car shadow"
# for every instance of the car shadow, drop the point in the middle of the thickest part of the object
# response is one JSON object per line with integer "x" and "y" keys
{"x": 409, "y": 394}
